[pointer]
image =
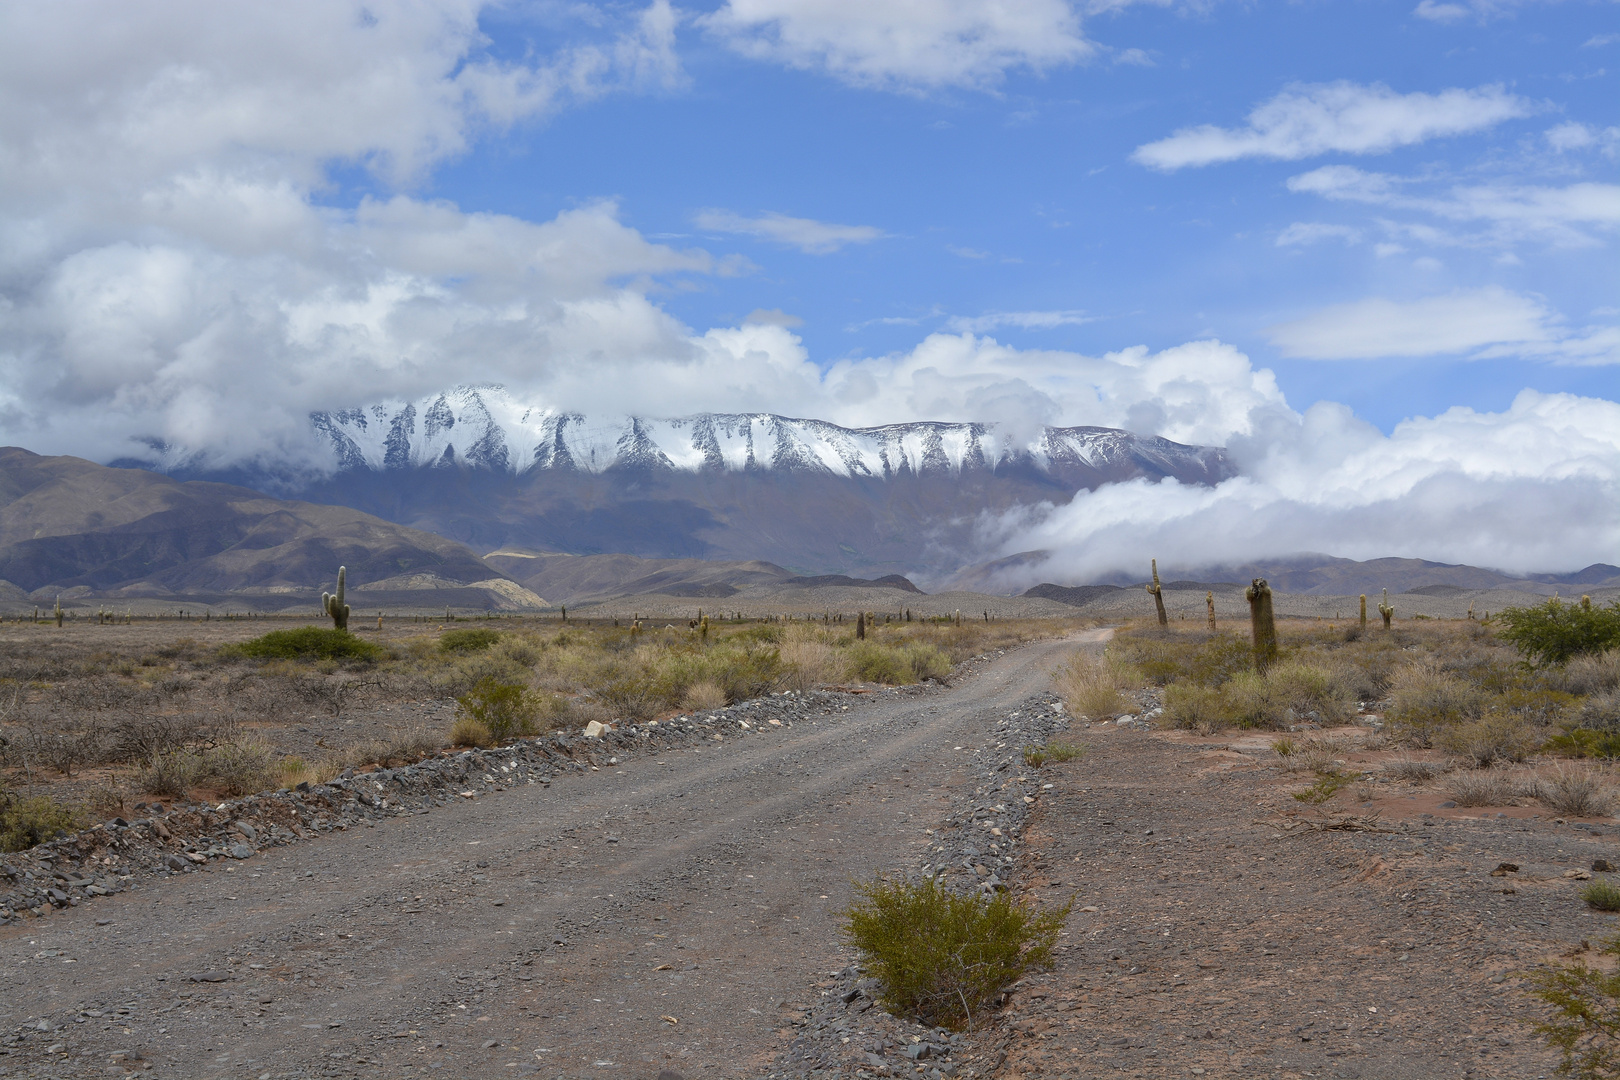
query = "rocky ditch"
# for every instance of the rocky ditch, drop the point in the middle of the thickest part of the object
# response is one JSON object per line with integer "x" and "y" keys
{"x": 844, "y": 1032}
{"x": 121, "y": 854}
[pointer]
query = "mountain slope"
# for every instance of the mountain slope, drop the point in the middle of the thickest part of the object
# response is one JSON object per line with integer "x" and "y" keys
{"x": 66, "y": 523}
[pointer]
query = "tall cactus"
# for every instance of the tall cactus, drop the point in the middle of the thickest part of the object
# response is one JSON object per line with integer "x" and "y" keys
{"x": 333, "y": 605}
{"x": 1385, "y": 609}
{"x": 1364, "y": 613}
{"x": 1264, "y": 623}
{"x": 1209, "y": 599}
{"x": 1158, "y": 595}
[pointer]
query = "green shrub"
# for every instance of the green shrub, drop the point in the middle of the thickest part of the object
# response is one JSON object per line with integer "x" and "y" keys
{"x": 171, "y": 773}
{"x": 507, "y": 710}
{"x": 1495, "y": 737}
{"x": 307, "y": 643}
{"x": 943, "y": 958}
{"x": 1327, "y": 785}
{"x": 1196, "y": 708}
{"x": 1585, "y": 743}
{"x": 1036, "y": 756}
{"x": 1425, "y": 700}
{"x": 1553, "y": 632}
{"x": 1602, "y": 895}
{"x": 1585, "y": 1027}
{"x": 27, "y": 821}
{"x": 476, "y": 639}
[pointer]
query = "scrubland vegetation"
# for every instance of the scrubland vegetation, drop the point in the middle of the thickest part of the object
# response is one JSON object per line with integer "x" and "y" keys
{"x": 104, "y": 726}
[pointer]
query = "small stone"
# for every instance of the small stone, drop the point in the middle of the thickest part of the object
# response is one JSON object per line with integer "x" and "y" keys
{"x": 1447, "y": 805}
{"x": 1578, "y": 875}
{"x": 239, "y": 851}
{"x": 1504, "y": 869}
{"x": 490, "y": 1044}
{"x": 1603, "y": 866}
{"x": 211, "y": 977}
{"x": 246, "y": 830}
{"x": 596, "y": 729}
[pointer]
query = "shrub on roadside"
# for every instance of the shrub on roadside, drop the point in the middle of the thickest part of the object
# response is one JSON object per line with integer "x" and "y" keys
{"x": 1091, "y": 687}
{"x": 1602, "y": 895}
{"x": 171, "y": 774}
{"x": 468, "y": 731}
{"x": 1061, "y": 752}
{"x": 239, "y": 768}
{"x": 506, "y": 710}
{"x": 944, "y": 958}
{"x": 1197, "y": 708}
{"x": 704, "y": 695}
{"x": 1585, "y": 1025}
{"x": 1425, "y": 700}
{"x": 26, "y": 821}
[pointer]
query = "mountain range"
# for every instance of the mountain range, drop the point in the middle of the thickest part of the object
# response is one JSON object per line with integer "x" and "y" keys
{"x": 479, "y": 466}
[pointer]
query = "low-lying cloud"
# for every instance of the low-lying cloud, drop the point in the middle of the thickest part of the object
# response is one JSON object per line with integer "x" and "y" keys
{"x": 1533, "y": 488}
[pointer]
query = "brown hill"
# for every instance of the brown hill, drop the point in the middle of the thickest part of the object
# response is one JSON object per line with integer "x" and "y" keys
{"x": 70, "y": 524}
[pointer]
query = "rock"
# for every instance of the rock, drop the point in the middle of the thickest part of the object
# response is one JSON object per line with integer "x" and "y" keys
{"x": 1447, "y": 805}
{"x": 490, "y": 1044}
{"x": 1603, "y": 866}
{"x": 596, "y": 729}
{"x": 919, "y": 1051}
{"x": 246, "y": 830}
{"x": 1504, "y": 869}
{"x": 670, "y": 1074}
{"x": 160, "y": 829}
{"x": 175, "y": 862}
{"x": 1579, "y": 875}
{"x": 239, "y": 851}
{"x": 211, "y": 977}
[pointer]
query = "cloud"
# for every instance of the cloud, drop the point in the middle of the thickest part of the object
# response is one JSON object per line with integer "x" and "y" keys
{"x": 1535, "y": 487}
{"x": 1572, "y": 135}
{"x": 1024, "y": 320}
{"x": 1483, "y": 323}
{"x": 1301, "y": 233}
{"x": 1562, "y": 215}
{"x": 1599, "y": 40}
{"x": 811, "y": 237}
{"x": 907, "y": 45}
{"x": 1306, "y": 120}
{"x": 1440, "y": 12}
{"x": 772, "y": 317}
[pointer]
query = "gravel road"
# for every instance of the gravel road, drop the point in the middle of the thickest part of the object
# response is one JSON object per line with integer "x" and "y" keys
{"x": 667, "y": 913}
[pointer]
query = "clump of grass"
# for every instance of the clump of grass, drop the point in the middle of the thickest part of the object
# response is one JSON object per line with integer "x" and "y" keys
{"x": 239, "y": 768}
{"x": 1602, "y": 895}
{"x": 1485, "y": 788}
{"x": 1197, "y": 708}
{"x": 171, "y": 773}
{"x": 307, "y": 643}
{"x": 1576, "y": 792}
{"x": 706, "y": 694}
{"x": 1492, "y": 738}
{"x": 1312, "y": 755}
{"x": 1410, "y": 768}
{"x": 944, "y": 958}
{"x": 1585, "y": 1026}
{"x": 26, "y": 821}
{"x": 1036, "y": 756}
{"x": 1091, "y": 688}
{"x": 1283, "y": 747}
{"x": 476, "y": 639}
{"x": 469, "y": 731}
{"x": 1425, "y": 700}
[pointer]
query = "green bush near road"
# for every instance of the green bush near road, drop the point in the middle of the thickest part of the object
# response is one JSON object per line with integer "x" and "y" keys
{"x": 306, "y": 643}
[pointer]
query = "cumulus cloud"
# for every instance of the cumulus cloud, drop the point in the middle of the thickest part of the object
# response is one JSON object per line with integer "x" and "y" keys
{"x": 1568, "y": 215}
{"x": 809, "y": 236}
{"x": 1344, "y": 117}
{"x": 1487, "y": 322}
{"x": 909, "y": 45}
{"x": 1533, "y": 488}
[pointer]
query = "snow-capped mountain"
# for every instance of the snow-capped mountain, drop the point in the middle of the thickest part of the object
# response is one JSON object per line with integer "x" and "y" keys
{"x": 483, "y": 427}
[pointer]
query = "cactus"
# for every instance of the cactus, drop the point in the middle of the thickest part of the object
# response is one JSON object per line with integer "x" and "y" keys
{"x": 1586, "y": 603}
{"x": 860, "y": 625}
{"x": 58, "y": 611}
{"x": 1209, "y": 601}
{"x": 1364, "y": 612}
{"x": 565, "y": 613}
{"x": 1258, "y": 594}
{"x": 1385, "y": 609}
{"x": 1158, "y": 595}
{"x": 333, "y": 605}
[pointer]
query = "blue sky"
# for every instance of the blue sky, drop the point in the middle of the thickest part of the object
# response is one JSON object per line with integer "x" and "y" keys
{"x": 1368, "y": 247}
{"x": 1022, "y": 195}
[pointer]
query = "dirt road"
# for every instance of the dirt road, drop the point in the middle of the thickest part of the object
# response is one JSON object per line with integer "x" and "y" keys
{"x": 665, "y": 913}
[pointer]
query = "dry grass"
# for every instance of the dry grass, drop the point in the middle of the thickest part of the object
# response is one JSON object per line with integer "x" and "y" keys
{"x": 1497, "y": 737}
{"x": 469, "y": 731}
{"x": 1411, "y": 769}
{"x": 1576, "y": 791}
{"x": 704, "y": 695}
{"x": 1485, "y": 787}
{"x": 1091, "y": 687}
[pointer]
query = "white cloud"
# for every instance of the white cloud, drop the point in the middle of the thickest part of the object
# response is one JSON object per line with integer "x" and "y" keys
{"x": 1485, "y": 322}
{"x": 1344, "y": 117}
{"x": 1563, "y": 215}
{"x": 1440, "y": 12}
{"x": 772, "y": 317}
{"x": 812, "y": 237}
{"x": 1536, "y": 487}
{"x": 1599, "y": 40}
{"x": 1301, "y": 233}
{"x": 912, "y": 45}
{"x": 1572, "y": 135}
{"x": 1024, "y": 320}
